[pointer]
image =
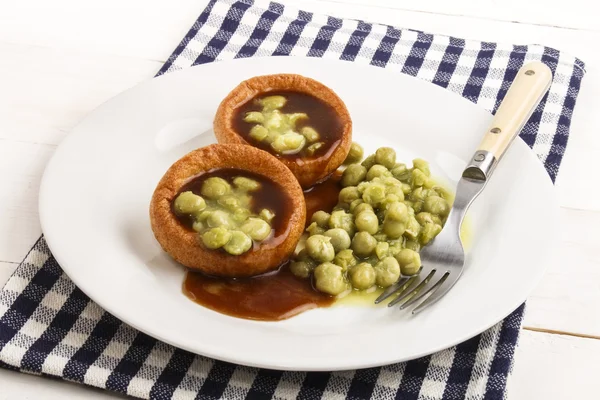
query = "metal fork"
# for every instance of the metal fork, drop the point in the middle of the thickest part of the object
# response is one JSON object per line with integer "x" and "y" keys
{"x": 443, "y": 259}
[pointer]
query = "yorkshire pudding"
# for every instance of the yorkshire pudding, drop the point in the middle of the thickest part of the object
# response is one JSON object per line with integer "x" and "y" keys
{"x": 297, "y": 119}
{"x": 185, "y": 245}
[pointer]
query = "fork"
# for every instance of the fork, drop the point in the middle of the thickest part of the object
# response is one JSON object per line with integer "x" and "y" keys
{"x": 443, "y": 260}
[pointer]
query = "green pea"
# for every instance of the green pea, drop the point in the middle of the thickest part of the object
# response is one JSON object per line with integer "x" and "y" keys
{"x": 289, "y": 143}
{"x": 436, "y": 205}
{"x": 343, "y": 220}
{"x": 412, "y": 245}
{"x": 363, "y": 244}
{"x": 258, "y": 229}
{"x": 198, "y": 226}
{"x": 394, "y": 249}
{"x": 419, "y": 194}
{"x": 339, "y": 239}
{"x": 189, "y": 203}
{"x": 314, "y": 229}
{"x": 385, "y": 156}
{"x": 394, "y": 229}
{"x": 429, "y": 232}
{"x": 413, "y": 229}
{"x": 396, "y": 190}
{"x": 259, "y": 133}
{"x": 303, "y": 255}
{"x": 409, "y": 261}
{"x": 272, "y": 102}
{"x": 302, "y": 269}
{"x": 380, "y": 237}
{"x": 361, "y": 207}
{"x": 310, "y": 134}
{"x": 355, "y": 154}
{"x": 362, "y": 276}
{"x": 369, "y": 161}
{"x": 377, "y": 171}
{"x": 374, "y": 194}
{"x": 319, "y": 248}
{"x": 240, "y": 215}
{"x": 295, "y": 117}
{"x": 238, "y": 244}
{"x": 345, "y": 259}
{"x": 389, "y": 199}
{"x": 348, "y": 195}
{"x": 387, "y": 272}
{"x": 329, "y": 278}
{"x": 254, "y": 116}
{"x": 274, "y": 122}
{"x": 397, "y": 211}
{"x": 353, "y": 175}
{"x": 367, "y": 221}
{"x": 406, "y": 189}
{"x": 215, "y": 187}
{"x": 355, "y": 203}
{"x": 321, "y": 218}
{"x": 218, "y": 218}
{"x": 419, "y": 178}
{"x": 418, "y": 207}
{"x": 422, "y": 166}
{"x": 425, "y": 218}
{"x": 266, "y": 215}
{"x": 443, "y": 193}
{"x": 246, "y": 184}
{"x": 216, "y": 237}
{"x": 400, "y": 172}
{"x": 312, "y": 149}
{"x": 229, "y": 202}
{"x": 382, "y": 250}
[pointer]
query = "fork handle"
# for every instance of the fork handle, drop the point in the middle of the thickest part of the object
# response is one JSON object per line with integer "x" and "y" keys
{"x": 525, "y": 93}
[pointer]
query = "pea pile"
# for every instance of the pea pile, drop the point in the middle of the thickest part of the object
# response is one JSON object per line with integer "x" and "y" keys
{"x": 385, "y": 213}
{"x": 222, "y": 215}
{"x": 279, "y": 129}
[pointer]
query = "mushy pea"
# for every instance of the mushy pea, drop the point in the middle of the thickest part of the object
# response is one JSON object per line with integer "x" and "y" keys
{"x": 385, "y": 213}
{"x": 222, "y": 215}
{"x": 279, "y": 129}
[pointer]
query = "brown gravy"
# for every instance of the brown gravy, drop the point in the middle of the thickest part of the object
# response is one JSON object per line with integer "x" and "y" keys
{"x": 277, "y": 296}
{"x": 321, "y": 116}
{"x": 270, "y": 297}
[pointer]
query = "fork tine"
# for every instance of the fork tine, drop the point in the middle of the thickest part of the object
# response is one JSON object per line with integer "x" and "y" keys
{"x": 412, "y": 290}
{"x": 400, "y": 285}
{"x": 438, "y": 294}
{"x": 431, "y": 285}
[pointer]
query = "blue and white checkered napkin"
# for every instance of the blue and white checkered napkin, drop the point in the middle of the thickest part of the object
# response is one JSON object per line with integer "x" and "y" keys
{"x": 49, "y": 327}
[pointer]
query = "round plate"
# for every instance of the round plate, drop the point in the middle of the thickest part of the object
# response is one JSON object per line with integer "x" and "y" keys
{"x": 96, "y": 191}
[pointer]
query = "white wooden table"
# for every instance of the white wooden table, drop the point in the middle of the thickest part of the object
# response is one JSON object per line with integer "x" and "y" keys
{"x": 61, "y": 59}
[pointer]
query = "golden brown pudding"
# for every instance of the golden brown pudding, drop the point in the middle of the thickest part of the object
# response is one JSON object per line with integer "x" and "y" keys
{"x": 297, "y": 119}
{"x": 228, "y": 210}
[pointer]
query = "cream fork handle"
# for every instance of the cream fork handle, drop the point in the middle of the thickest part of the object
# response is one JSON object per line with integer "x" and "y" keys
{"x": 523, "y": 96}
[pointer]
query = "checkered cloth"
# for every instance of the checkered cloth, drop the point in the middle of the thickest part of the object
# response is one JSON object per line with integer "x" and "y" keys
{"x": 49, "y": 327}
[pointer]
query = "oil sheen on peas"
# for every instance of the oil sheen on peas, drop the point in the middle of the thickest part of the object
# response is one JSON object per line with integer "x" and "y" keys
{"x": 268, "y": 196}
{"x": 321, "y": 116}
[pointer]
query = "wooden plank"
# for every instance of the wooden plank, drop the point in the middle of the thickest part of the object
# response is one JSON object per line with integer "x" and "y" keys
{"x": 22, "y": 165}
{"x": 538, "y": 12}
{"x": 567, "y": 298}
{"x": 110, "y": 27}
{"x": 18, "y": 386}
{"x": 45, "y": 92}
{"x": 554, "y": 367}
{"x": 6, "y": 270}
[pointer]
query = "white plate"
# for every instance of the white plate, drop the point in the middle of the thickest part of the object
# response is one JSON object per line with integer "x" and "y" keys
{"x": 96, "y": 190}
